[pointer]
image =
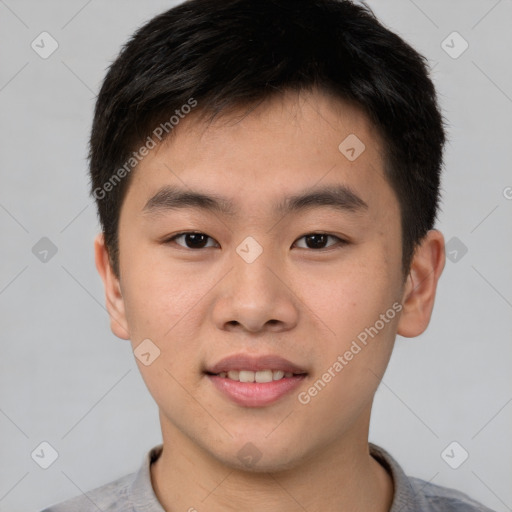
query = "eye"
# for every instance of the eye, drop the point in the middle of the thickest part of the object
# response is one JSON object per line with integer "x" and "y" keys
{"x": 197, "y": 240}
{"x": 319, "y": 241}
{"x": 192, "y": 240}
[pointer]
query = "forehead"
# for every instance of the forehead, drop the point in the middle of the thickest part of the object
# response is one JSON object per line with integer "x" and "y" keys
{"x": 300, "y": 124}
{"x": 255, "y": 159}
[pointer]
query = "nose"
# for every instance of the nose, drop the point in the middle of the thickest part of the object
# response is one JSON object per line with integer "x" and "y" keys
{"x": 256, "y": 296}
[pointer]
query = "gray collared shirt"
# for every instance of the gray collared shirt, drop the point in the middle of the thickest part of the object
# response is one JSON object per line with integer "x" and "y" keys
{"x": 134, "y": 492}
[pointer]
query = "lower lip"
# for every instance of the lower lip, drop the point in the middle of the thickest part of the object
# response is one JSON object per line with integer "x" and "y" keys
{"x": 256, "y": 394}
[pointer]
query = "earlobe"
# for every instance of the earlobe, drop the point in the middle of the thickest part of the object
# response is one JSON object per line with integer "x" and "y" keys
{"x": 114, "y": 298}
{"x": 421, "y": 285}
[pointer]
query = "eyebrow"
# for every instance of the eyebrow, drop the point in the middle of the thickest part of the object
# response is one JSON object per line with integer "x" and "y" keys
{"x": 339, "y": 197}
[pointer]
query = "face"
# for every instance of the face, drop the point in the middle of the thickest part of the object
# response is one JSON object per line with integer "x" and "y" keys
{"x": 261, "y": 240}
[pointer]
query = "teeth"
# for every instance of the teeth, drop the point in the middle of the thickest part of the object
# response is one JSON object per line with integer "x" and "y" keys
{"x": 246, "y": 376}
{"x": 259, "y": 376}
{"x": 263, "y": 376}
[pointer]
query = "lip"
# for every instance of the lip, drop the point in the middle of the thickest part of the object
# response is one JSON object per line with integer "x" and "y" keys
{"x": 255, "y": 394}
{"x": 254, "y": 363}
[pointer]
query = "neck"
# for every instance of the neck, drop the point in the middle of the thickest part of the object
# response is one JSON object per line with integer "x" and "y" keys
{"x": 338, "y": 477}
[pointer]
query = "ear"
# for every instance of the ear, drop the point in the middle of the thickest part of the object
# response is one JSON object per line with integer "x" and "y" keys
{"x": 113, "y": 295}
{"x": 420, "y": 288}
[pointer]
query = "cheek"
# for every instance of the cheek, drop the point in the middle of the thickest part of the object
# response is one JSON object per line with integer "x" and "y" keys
{"x": 351, "y": 303}
{"x": 356, "y": 347}
{"x": 164, "y": 307}
{"x": 351, "y": 296}
{"x": 158, "y": 302}
{"x": 166, "y": 304}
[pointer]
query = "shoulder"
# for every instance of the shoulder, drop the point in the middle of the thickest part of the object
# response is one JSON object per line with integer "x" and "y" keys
{"x": 416, "y": 495}
{"x": 111, "y": 497}
{"x": 126, "y": 494}
{"x": 444, "y": 499}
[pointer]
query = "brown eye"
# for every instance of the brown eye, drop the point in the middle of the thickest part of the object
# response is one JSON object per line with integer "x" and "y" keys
{"x": 192, "y": 240}
{"x": 319, "y": 240}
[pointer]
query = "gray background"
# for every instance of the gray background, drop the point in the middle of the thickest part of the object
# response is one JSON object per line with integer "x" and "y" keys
{"x": 65, "y": 379}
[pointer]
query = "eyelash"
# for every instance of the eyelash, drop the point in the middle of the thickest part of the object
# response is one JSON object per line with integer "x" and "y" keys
{"x": 341, "y": 242}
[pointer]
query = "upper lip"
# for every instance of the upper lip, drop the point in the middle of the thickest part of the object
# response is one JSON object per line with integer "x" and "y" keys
{"x": 254, "y": 363}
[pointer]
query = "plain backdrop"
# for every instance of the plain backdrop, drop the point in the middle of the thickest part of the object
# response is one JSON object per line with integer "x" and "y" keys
{"x": 66, "y": 380}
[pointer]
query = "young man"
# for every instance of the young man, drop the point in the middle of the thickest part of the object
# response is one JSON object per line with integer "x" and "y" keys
{"x": 267, "y": 178}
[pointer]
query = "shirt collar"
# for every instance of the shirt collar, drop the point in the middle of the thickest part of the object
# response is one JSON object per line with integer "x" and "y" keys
{"x": 405, "y": 497}
{"x": 142, "y": 495}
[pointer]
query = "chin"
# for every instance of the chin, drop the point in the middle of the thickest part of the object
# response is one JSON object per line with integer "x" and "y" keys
{"x": 255, "y": 455}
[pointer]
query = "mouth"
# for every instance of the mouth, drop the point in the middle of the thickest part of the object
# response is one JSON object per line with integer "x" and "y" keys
{"x": 260, "y": 376}
{"x": 245, "y": 365}
{"x": 255, "y": 381}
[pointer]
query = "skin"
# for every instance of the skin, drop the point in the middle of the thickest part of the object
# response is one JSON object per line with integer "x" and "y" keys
{"x": 302, "y": 303}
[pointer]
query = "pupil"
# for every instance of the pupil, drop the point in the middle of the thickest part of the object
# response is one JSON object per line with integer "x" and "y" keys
{"x": 317, "y": 241}
{"x": 196, "y": 239}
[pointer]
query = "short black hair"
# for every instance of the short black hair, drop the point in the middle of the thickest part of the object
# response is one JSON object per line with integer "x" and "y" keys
{"x": 220, "y": 55}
